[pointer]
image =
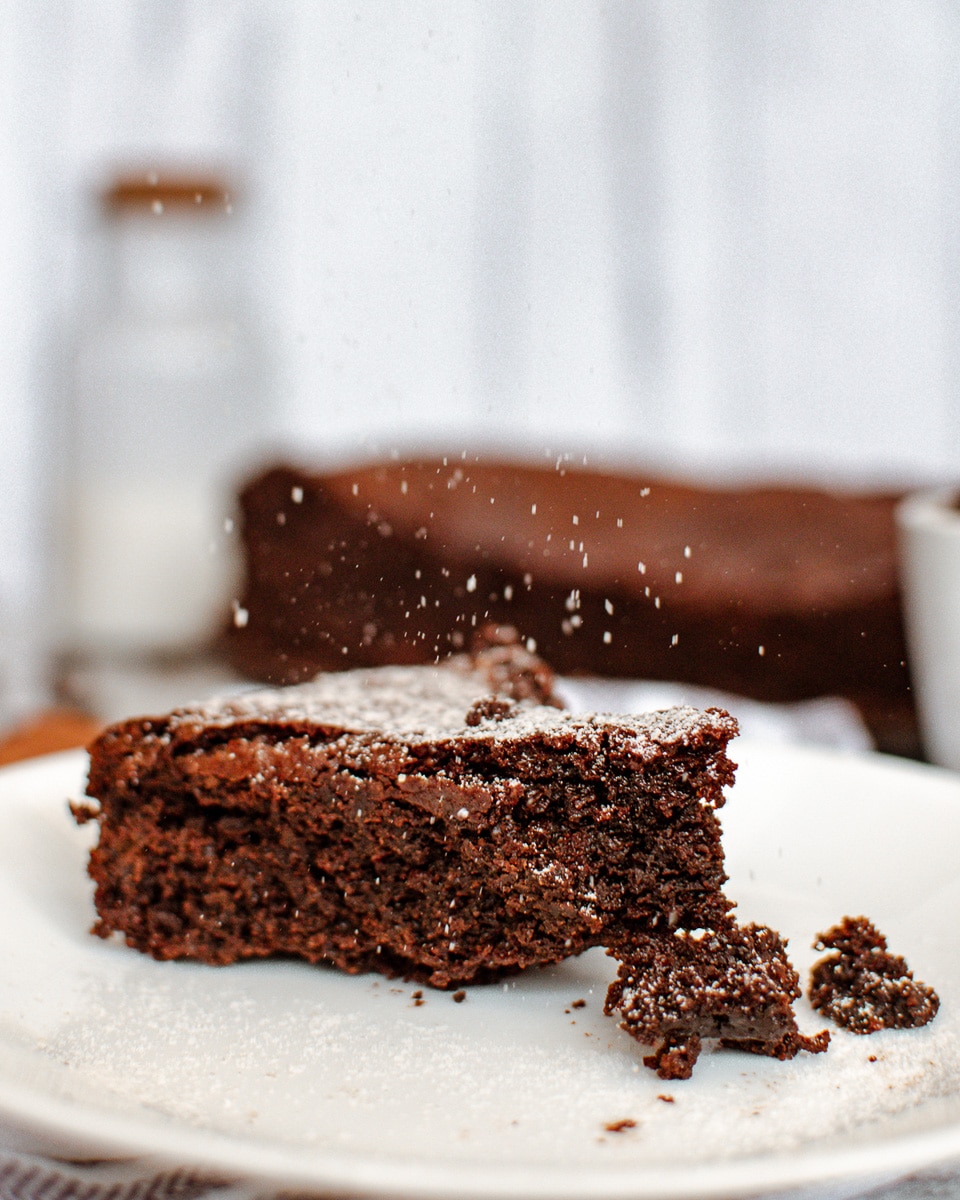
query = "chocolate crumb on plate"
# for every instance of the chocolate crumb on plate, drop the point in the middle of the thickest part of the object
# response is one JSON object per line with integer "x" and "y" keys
{"x": 735, "y": 985}
{"x": 862, "y": 987}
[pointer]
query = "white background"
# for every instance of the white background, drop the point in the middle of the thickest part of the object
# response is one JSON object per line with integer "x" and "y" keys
{"x": 716, "y": 237}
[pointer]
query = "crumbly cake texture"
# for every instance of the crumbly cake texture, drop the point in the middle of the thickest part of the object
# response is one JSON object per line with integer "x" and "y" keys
{"x": 776, "y": 593}
{"x": 862, "y": 987}
{"x": 443, "y": 823}
{"x": 735, "y": 985}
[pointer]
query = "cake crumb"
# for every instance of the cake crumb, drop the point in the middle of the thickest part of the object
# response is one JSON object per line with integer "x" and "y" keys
{"x": 862, "y": 987}
{"x": 665, "y": 1097}
{"x": 459, "y": 996}
{"x": 620, "y": 1126}
{"x": 579, "y": 1004}
{"x": 733, "y": 984}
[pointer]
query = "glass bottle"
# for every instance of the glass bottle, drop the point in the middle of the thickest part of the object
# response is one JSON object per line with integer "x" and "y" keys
{"x": 168, "y": 402}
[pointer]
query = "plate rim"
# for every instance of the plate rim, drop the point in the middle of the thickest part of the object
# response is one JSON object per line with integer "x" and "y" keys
{"x": 335, "y": 1173}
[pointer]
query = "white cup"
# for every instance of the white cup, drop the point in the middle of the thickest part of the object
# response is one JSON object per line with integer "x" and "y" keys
{"x": 928, "y": 526}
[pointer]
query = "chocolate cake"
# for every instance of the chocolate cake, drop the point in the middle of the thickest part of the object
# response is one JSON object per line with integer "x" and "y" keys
{"x": 862, "y": 987}
{"x": 444, "y": 823}
{"x": 775, "y": 593}
{"x": 408, "y": 821}
{"x": 735, "y": 985}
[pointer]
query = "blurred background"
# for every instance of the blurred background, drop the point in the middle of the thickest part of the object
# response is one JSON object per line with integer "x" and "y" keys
{"x": 712, "y": 239}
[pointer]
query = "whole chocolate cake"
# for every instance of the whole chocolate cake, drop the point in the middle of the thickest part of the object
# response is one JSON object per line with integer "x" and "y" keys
{"x": 774, "y": 593}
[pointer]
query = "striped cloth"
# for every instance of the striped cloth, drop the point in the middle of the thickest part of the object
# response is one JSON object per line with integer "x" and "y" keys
{"x": 36, "y": 1177}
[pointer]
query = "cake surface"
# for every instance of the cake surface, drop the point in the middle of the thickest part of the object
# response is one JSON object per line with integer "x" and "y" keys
{"x": 443, "y": 823}
{"x": 775, "y": 593}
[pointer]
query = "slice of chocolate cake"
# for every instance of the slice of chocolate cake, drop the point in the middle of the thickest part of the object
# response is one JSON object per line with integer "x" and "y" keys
{"x": 440, "y": 823}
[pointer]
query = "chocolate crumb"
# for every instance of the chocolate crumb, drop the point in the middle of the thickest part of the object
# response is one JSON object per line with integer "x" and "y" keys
{"x": 491, "y": 708}
{"x": 862, "y": 987}
{"x": 83, "y": 811}
{"x": 459, "y": 996}
{"x": 734, "y": 984}
{"x": 418, "y": 999}
{"x": 667, "y": 1099}
{"x": 620, "y": 1126}
{"x": 579, "y": 1004}
{"x": 675, "y": 1057}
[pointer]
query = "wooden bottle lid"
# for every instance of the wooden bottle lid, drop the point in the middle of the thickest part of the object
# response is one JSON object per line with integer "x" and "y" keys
{"x": 152, "y": 191}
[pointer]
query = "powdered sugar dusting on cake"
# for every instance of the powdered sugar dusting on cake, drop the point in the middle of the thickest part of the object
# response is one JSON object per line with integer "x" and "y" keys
{"x": 403, "y": 703}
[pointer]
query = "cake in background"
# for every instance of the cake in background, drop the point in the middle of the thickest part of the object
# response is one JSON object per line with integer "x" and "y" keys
{"x": 774, "y": 593}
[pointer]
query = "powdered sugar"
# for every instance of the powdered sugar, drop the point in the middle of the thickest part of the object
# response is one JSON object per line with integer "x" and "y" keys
{"x": 412, "y": 703}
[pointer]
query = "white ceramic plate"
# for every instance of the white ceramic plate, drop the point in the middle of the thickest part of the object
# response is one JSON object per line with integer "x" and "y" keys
{"x": 307, "y": 1078}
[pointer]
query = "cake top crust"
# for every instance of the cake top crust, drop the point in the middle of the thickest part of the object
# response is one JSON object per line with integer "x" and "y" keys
{"x": 762, "y": 548}
{"x": 436, "y": 703}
